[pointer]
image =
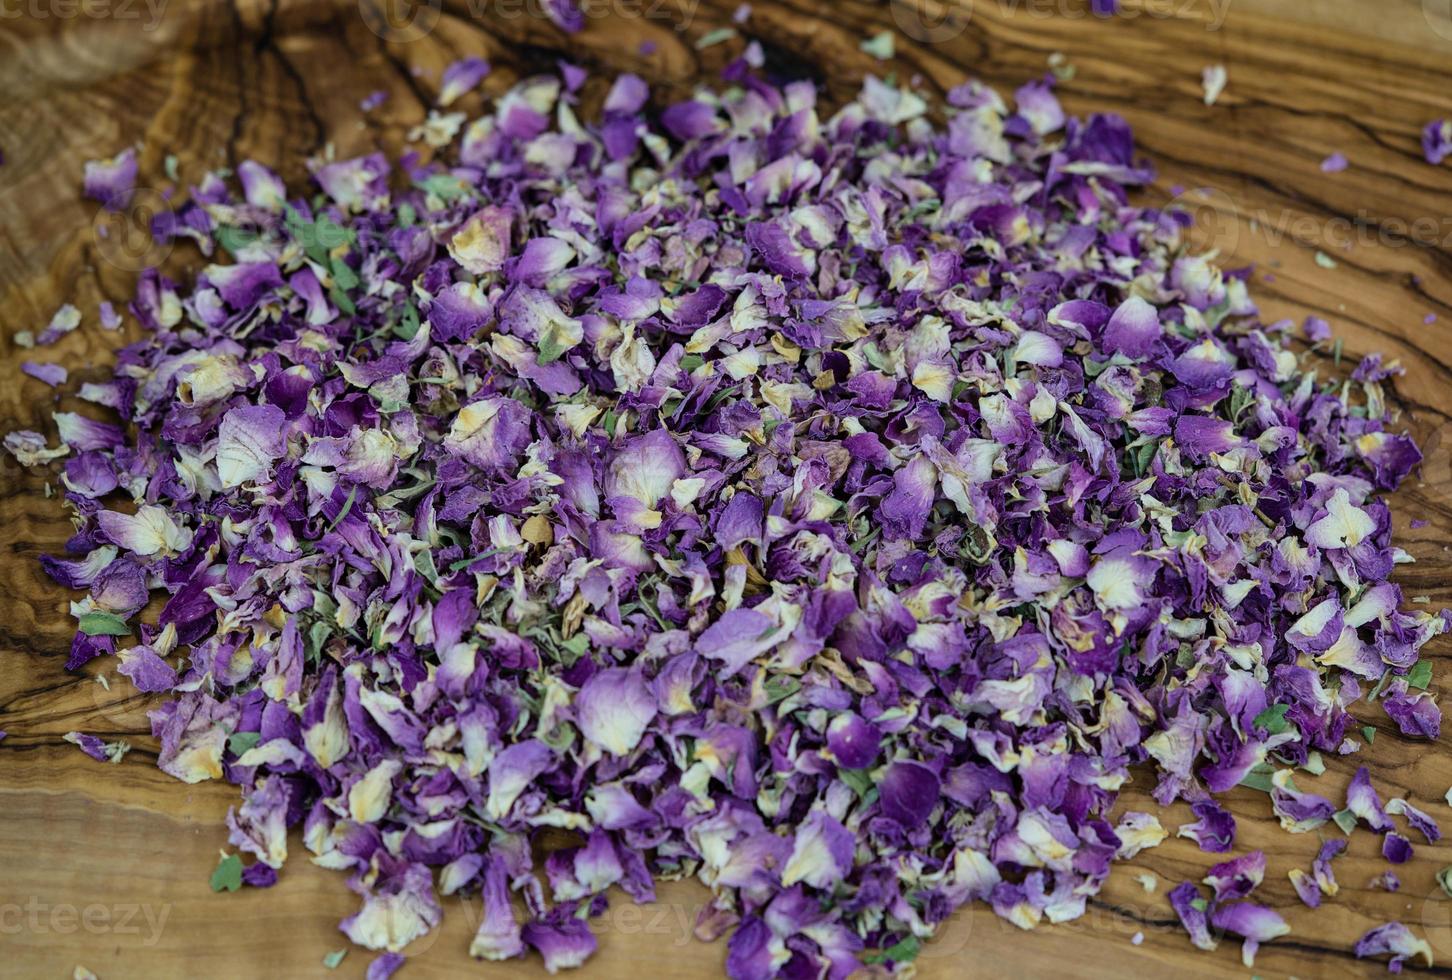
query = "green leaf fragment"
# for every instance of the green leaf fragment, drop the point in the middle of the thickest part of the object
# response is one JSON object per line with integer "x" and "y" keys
{"x": 332, "y": 960}
{"x": 318, "y": 635}
{"x": 550, "y": 349}
{"x": 104, "y": 624}
{"x": 712, "y": 38}
{"x": 444, "y": 186}
{"x": 234, "y": 239}
{"x": 424, "y": 562}
{"x": 1420, "y": 676}
{"x": 1368, "y": 733}
{"x": 1273, "y": 719}
{"x": 904, "y": 951}
{"x": 781, "y": 688}
{"x": 881, "y": 46}
{"x": 329, "y": 234}
{"x": 1144, "y": 456}
{"x": 1241, "y": 398}
{"x": 407, "y": 327}
{"x": 341, "y": 300}
{"x": 859, "y": 780}
{"x": 228, "y": 875}
{"x": 464, "y": 563}
{"x": 318, "y": 238}
{"x": 347, "y": 506}
{"x": 1259, "y": 778}
{"x": 343, "y": 275}
{"x": 242, "y": 742}
{"x": 1344, "y": 819}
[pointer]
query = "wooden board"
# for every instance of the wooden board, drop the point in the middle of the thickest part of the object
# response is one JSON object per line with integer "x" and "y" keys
{"x": 107, "y": 866}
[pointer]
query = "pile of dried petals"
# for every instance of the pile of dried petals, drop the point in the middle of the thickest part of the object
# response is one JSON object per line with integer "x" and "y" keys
{"x": 830, "y": 509}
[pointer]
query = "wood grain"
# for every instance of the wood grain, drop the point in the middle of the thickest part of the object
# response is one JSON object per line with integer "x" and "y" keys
{"x": 107, "y": 866}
